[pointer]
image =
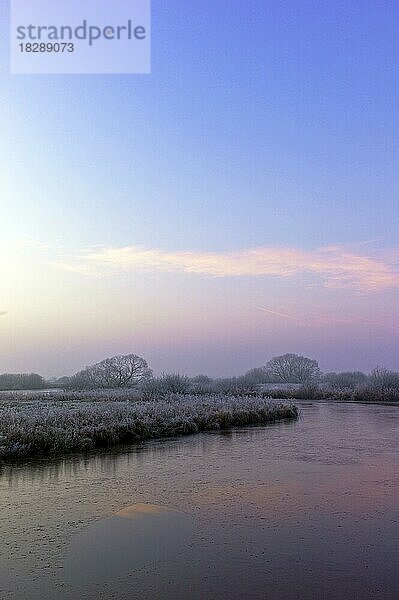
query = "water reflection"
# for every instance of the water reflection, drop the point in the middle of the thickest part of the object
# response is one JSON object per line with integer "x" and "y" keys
{"x": 136, "y": 511}
{"x": 116, "y": 547}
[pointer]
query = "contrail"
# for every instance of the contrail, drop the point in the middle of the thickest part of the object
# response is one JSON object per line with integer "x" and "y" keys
{"x": 278, "y": 314}
{"x": 350, "y": 319}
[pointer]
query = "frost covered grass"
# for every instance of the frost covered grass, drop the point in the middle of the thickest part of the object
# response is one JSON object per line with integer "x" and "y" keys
{"x": 60, "y": 395}
{"x": 38, "y": 427}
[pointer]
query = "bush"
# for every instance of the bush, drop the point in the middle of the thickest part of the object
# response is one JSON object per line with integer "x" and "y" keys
{"x": 346, "y": 380}
{"x": 382, "y": 385}
{"x": 201, "y": 385}
{"x": 233, "y": 386}
{"x": 166, "y": 384}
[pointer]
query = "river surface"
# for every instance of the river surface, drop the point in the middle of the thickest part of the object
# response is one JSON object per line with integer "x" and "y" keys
{"x": 295, "y": 510}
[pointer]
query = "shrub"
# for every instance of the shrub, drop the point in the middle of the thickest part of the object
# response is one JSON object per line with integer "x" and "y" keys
{"x": 346, "y": 380}
{"x": 166, "y": 384}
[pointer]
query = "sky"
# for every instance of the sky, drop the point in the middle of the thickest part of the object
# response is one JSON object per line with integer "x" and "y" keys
{"x": 239, "y": 202}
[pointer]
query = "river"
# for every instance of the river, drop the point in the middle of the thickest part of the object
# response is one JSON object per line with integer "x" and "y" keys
{"x": 294, "y": 510}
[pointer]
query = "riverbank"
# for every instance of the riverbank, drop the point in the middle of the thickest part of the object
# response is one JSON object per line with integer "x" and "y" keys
{"x": 363, "y": 394}
{"x": 49, "y": 427}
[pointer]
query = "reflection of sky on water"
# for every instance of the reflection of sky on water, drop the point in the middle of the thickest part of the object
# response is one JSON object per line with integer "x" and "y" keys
{"x": 137, "y": 511}
{"x": 115, "y": 547}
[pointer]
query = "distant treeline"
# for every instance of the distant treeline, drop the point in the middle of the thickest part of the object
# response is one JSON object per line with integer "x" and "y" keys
{"x": 22, "y": 381}
{"x": 381, "y": 385}
{"x": 285, "y": 376}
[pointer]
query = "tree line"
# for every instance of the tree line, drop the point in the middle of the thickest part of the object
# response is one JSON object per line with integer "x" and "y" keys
{"x": 22, "y": 381}
{"x": 132, "y": 371}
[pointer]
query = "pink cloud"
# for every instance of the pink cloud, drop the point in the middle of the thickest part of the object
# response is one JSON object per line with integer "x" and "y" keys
{"x": 335, "y": 266}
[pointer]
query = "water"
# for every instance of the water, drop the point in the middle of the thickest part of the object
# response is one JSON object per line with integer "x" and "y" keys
{"x": 301, "y": 510}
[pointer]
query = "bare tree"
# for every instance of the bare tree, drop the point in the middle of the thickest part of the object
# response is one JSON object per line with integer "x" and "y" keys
{"x": 292, "y": 368}
{"x": 115, "y": 372}
{"x": 384, "y": 379}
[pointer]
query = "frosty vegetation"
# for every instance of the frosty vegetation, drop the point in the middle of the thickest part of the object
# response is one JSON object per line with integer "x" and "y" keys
{"x": 286, "y": 376}
{"x": 36, "y": 426}
{"x": 116, "y": 372}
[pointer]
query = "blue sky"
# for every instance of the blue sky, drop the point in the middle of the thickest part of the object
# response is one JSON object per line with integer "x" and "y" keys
{"x": 264, "y": 124}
